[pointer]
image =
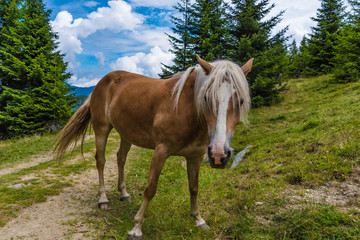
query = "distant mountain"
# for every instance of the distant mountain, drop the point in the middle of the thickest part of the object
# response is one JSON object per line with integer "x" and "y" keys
{"x": 83, "y": 91}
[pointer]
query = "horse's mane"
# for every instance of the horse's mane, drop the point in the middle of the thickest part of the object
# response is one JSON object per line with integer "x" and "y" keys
{"x": 206, "y": 90}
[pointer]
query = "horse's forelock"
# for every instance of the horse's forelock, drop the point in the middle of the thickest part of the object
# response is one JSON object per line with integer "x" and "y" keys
{"x": 207, "y": 94}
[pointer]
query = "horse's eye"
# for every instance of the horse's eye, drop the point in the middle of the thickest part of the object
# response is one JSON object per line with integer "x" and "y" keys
{"x": 239, "y": 103}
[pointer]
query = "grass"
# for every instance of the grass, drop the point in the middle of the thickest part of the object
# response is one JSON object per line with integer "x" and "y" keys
{"x": 312, "y": 133}
{"x": 309, "y": 141}
{"x": 310, "y": 136}
{"x": 16, "y": 150}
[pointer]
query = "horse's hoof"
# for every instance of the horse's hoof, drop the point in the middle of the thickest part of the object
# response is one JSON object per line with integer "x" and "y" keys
{"x": 103, "y": 205}
{"x": 204, "y": 227}
{"x": 132, "y": 237}
{"x": 125, "y": 199}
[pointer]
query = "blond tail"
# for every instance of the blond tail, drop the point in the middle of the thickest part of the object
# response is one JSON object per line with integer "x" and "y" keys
{"x": 75, "y": 129}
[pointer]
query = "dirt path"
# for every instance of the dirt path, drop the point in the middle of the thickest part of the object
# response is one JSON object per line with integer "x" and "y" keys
{"x": 35, "y": 160}
{"x": 62, "y": 216}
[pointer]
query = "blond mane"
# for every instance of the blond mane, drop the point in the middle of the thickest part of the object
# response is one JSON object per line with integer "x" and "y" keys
{"x": 206, "y": 90}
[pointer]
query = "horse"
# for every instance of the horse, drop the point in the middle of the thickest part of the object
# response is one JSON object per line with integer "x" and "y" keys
{"x": 190, "y": 114}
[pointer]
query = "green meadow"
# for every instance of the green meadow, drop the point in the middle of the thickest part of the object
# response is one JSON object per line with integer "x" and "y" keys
{"x": 300, "y": 179}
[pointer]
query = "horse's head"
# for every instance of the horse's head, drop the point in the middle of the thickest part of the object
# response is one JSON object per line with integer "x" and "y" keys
{"x": 223, "y": 101}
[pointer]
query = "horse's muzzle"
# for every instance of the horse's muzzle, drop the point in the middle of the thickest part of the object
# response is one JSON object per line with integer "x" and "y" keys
{"x": 224, "y": 159}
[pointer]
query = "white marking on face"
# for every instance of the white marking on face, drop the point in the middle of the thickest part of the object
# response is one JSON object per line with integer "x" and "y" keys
{"x": 220, "y": 133}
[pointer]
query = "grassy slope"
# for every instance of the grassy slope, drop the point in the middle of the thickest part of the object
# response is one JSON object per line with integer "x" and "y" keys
{"x": 313, "y": 139}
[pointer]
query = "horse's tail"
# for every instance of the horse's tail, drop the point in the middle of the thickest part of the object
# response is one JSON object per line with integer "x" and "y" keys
{"x": 74, "y": 129}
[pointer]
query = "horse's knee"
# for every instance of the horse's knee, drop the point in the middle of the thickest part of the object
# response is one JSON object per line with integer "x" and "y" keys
{"x": 100, "y": 159}
{"x": 193, "y": 191}
{"x": 149, "y": 192}
{"x": 118, "y": 155}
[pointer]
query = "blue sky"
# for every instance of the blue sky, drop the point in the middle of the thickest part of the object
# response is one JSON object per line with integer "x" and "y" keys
{"x": 101, "y": 36}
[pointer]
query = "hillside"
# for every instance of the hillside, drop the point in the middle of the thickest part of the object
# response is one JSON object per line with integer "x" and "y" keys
{"x": 83, "y": 91}
{"x": 300, "y": 180}
{"x": 81, "y": 94}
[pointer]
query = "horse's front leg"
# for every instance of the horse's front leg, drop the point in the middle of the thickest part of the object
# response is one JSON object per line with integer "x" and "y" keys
{"x": 193, "y": 167}
{"x": 157, "y": 163}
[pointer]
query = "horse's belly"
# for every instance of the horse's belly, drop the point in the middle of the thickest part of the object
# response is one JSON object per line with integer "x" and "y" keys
{"x": 136, "y": 135}
{"x": 134, "y": 128}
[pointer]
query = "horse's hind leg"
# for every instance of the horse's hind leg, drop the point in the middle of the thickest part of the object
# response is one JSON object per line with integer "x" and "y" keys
{"x": 121, "y": 159}
{"x": 101, "y": 135}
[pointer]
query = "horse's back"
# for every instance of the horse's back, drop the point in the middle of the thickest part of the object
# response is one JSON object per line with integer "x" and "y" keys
{"x": 141, "y": 109}
{"x": 125, "y": 86}
{"x": 129, "y": 102}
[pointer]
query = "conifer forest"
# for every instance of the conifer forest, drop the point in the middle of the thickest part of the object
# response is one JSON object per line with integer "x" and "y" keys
{"x": 35, "y": 95}
{"x": 297, "y": 171}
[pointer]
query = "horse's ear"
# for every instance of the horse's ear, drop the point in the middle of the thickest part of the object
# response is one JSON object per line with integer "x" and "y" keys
{"x": 246, "y": 68}
{"x": 205, "y": 65}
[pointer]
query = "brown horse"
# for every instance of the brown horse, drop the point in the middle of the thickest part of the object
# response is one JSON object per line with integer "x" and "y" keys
{"x": 192, "y": 113}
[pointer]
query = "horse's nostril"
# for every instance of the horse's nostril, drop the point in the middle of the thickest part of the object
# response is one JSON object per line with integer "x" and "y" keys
{"x": 210, "y": 151}
{"x": 228, "y": 153}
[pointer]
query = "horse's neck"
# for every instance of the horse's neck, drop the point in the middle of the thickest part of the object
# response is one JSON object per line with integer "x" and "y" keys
{"x": 190, "y": 82}
{"x": 199, "y": 125}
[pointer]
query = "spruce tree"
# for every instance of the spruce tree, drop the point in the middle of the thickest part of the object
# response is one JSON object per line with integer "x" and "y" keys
{"x": 323, "y": 40}
{"x": 181, "y": 42}
{"x": 304, "y": 56}
{"x": 209, "y": 32}
{"x": 34, "y": 89}
{"x": 293, "y": 66}
{"x": 202, "y": 29}
{"x": 251, "y": 37}
{"x": 9, "y": 44}
{"x": 347, "y": 62}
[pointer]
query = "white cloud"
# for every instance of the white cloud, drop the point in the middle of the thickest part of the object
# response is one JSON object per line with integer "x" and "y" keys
{"x": 163, "y": 4}
{"x": 146, "y": 64}
{"x": 297, "y": 16}
{"x": 153, "y": 37}
{"x": 83, "y": 82}
{"x": 101, "y": 58}
{"x": 91, "y": 4}
{"x": 69, "y": 42}
{"x": 117, "y": 17}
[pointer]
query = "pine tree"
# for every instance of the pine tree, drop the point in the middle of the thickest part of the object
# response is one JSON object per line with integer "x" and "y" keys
{"x": 347, "y": 67}
{"x": 210, "y": 29}
{"x": 181, "y": 41}
{"x": 201, "y": 30}
{"x": 251, "y": 37}
{"x": 323, "y": 40}
{"x": 9, "y": 44}
{"x": 304, "y": 56}
{"x": 34, "y": 89}
{"x": 293, "y": 66}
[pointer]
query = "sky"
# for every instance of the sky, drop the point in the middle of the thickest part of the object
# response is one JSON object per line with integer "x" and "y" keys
{"x": 101, "y": 36}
